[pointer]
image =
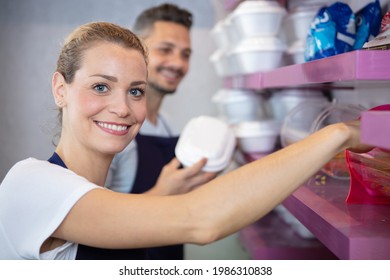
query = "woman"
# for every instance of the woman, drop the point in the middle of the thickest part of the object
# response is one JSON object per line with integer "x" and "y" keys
{"x": 48, "y": 208}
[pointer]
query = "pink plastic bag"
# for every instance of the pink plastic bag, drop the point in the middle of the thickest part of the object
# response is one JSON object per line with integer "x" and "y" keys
{"x": 370, "y": 175}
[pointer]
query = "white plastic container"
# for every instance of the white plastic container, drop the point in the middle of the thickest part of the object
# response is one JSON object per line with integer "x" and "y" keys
{"x": 299, "y": 20}
{"x": 257, "y": 54}
{"x": 283, "y": 101}
{"x": 218, "y": 99}
{"x": 231, "y": 30}
{"x": 296, "y": 52}
{"x": 206, "y": 137}
{"x": 258, "y": 18}
{"x": 242, "y": 105}
{"x": 257, "y": 136}
{"x": 221, "y": 63}
{"x": 337, "y": 167}
{"x": 298, "y": 123}
{"x": 219, "y": 35}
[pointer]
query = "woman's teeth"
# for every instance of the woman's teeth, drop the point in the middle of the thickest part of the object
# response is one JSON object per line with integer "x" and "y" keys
{"x": 114, "y": 127}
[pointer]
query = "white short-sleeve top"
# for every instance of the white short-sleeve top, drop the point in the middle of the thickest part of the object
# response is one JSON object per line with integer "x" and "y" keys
{"x": 35, "y": 197}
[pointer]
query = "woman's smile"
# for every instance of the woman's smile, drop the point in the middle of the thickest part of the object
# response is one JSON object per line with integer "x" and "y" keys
{"x": 113, "y": 128}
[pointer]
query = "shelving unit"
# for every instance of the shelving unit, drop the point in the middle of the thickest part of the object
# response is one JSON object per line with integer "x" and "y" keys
{"x": 350, "y": 231}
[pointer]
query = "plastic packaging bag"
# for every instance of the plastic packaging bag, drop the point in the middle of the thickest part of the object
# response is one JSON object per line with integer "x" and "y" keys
{"x": 368, "y": 23}
{"x": 382, "y": 41}
{"x": 371, "y": 171}
{"x": 333, "y": 31}
{"x": 370, "y": 174}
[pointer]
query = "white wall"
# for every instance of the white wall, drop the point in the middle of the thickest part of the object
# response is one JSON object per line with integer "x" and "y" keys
{"x": 31, "y": 34}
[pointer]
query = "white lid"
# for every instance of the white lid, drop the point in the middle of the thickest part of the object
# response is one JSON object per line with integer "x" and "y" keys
{"x": 305, "y": 10}
{"x": 257, "y": 128}
{"x": 208, "y": 137}
{"x": 263, "y": 43}
{"x": 258, "y": 6}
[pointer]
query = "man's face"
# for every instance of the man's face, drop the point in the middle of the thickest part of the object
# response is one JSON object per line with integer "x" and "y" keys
{"x": 169, "y": 54}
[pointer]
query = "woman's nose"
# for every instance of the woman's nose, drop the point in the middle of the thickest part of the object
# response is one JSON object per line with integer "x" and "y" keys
{"x": 120, "y": 106}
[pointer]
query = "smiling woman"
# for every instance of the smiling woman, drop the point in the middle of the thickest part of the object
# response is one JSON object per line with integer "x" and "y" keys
{"x": 99, "y": 87}
{"x": 59, "y": 209}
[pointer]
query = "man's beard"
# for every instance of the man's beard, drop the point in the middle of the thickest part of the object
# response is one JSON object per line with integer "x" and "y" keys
{"x": 160, "y": 89}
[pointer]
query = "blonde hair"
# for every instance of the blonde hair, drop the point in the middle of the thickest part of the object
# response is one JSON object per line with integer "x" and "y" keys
{"x": 83, "y": 37}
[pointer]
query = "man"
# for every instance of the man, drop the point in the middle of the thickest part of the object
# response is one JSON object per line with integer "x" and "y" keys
{"x": 165, "y": 30}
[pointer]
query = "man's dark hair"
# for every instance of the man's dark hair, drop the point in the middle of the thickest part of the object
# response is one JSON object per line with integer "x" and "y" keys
{"x": 165, "y": 12}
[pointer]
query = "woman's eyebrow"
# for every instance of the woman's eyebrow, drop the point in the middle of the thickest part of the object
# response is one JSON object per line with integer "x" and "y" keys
{"x": 107, "y": 77}
{"x": 114, "y": 79}
{"x": 137, "y": 83}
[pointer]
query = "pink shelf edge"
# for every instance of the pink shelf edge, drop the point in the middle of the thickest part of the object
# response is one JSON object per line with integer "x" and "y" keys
{"x": 352, "y": 66}
{"x": 350, "y": 231}
{"x": 376, "y": 128}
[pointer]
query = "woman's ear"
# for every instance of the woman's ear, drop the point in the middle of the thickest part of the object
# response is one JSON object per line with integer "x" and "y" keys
{"x": 59, "y": 89}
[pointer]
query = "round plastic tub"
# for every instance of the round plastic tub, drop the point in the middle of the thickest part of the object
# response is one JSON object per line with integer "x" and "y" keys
{"x": 283, "y": 101}
{"x": 258, "y": 18}
{"x": 206, "y": 137}
{"x": 220, "y": 36}
{"x": 299, "y": 20}
{"x": 242, "y": 105}
{"x": 298, "y": 122}
{"x": 335, "y": 113}
{"x": 296, "y": 52}
{"x": 257, "y": 136}
{"x": 257, "y": 54}
{"x": 221, "y": 63}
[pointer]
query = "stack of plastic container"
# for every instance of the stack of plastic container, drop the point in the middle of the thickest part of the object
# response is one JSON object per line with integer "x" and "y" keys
{"x": 248, "y": 42}
{"x": 259, "y": 48}
{"x": 296, "y": 26}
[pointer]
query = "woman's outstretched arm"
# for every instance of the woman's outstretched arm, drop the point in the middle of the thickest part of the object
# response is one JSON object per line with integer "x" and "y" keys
{"x": 222, "y": 206}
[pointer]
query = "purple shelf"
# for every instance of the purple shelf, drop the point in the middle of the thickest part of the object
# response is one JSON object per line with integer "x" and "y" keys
{"x": 270, "y": 238}
{"x": 350, "y": 231}
{"x": 252, "y": 81}
{"x": 376, "y": 128}
{"x": 361, "y": 65}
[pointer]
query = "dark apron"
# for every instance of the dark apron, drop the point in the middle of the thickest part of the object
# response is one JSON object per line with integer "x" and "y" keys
{"x": 91, "y": 253}
{"x": 153, "y": 153}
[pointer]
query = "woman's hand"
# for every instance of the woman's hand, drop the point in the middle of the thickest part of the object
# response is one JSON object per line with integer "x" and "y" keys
{"x": 354, "y": 144}
{"x": 176, "y": 180}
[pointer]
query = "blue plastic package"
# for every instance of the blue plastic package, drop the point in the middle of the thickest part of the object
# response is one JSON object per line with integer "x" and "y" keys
{"x": 368, "y": 23}
{"x": 332, "y": 32}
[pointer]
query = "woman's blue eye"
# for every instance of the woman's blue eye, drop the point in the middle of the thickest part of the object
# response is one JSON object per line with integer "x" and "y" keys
{"x": 136, "y": 92}
{"x": 101, "y": 88}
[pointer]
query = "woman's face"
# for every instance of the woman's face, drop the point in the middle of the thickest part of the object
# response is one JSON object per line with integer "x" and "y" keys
{"x": 105, "y": 104}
